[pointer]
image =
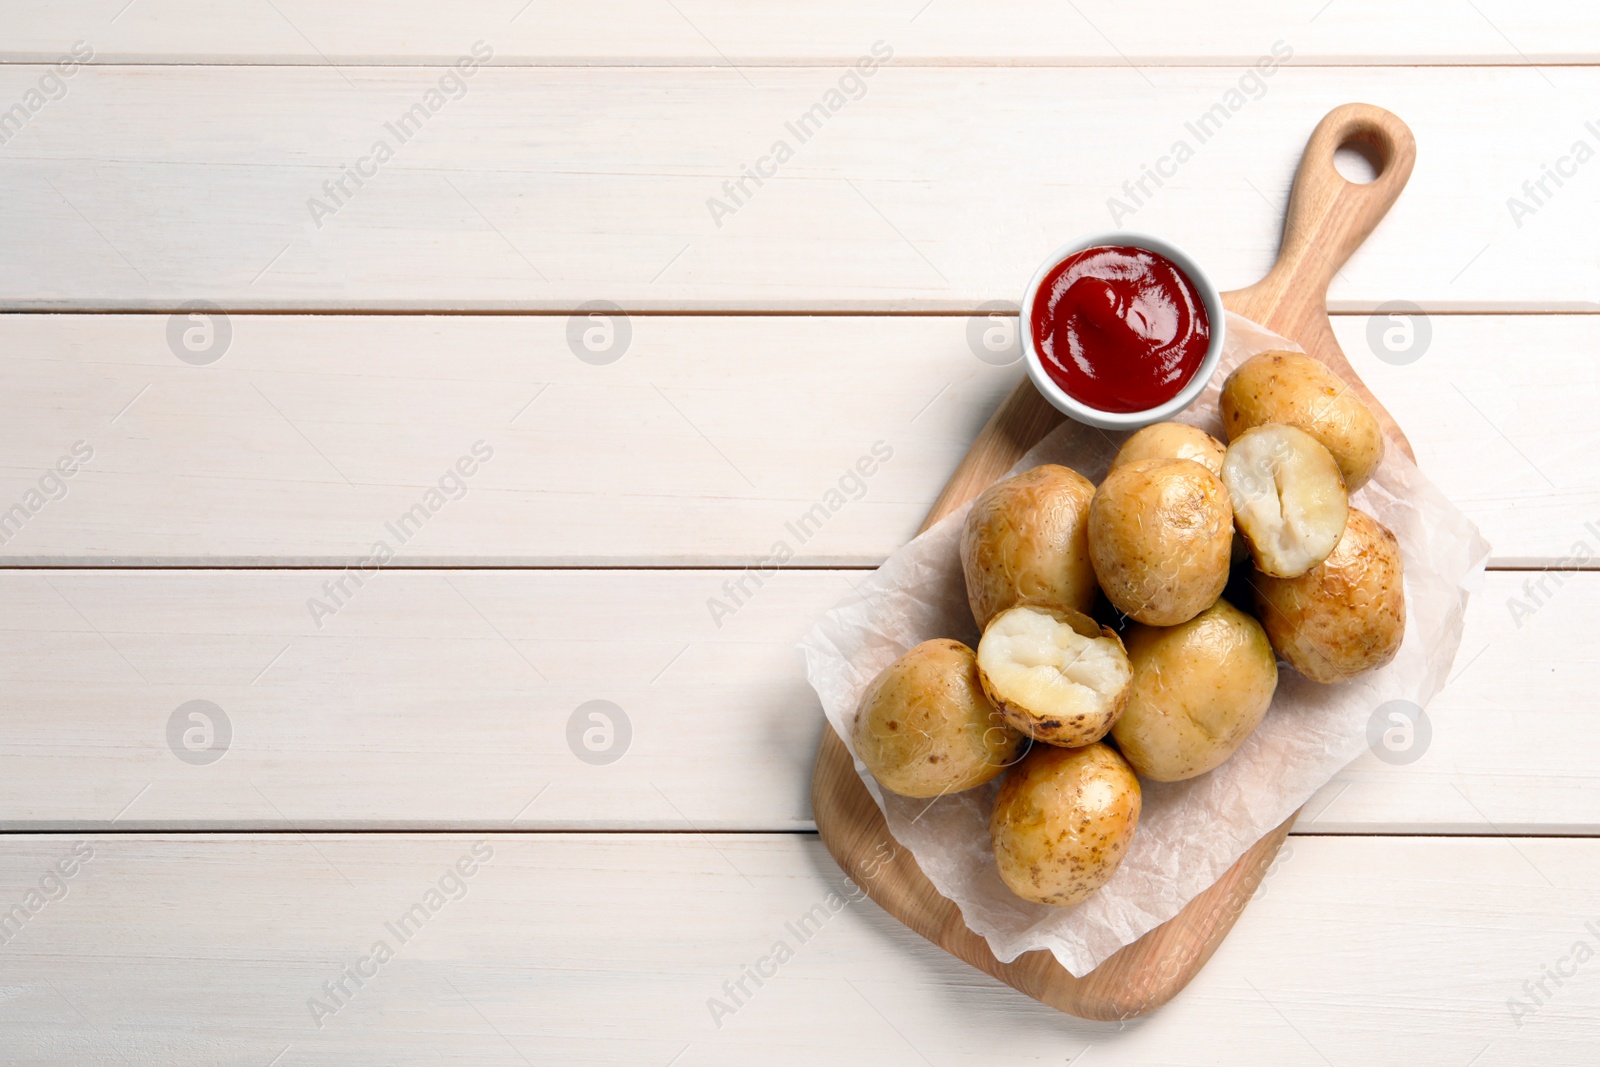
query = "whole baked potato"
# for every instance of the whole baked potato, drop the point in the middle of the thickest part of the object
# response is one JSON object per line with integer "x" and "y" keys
{"x": 1199, "y": 690}
{"x": 1026, "y": 538}
{"x": 924, "y": 727}
{"x": 1160, "y": 539}
{"x": 1172, "y": 440}
{"x": 1063, "y": 821}
{"x": 1345, "y": 615}
{"x": 1300, "y": 391}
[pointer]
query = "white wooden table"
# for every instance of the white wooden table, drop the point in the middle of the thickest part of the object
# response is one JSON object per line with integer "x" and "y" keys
{"x": 401, "y": 509}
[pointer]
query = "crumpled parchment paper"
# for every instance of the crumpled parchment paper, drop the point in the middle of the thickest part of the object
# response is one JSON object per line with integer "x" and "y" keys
{"x": 1190, "y": 832}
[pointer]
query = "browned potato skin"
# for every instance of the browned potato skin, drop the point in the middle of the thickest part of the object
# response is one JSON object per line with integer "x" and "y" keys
{"x": 1345, "y": 615}
{"x": 1062, "y": 822}
{"x": 1199, "y": 691}
{"x": 1026, "y": 538}
{"x": 1160, "y": 539}
{"x": 924, "y": 727}
{"x": 1300, "y": 391}
{"x": 1069, "y": 733}
{"x": 1172, "y": 440}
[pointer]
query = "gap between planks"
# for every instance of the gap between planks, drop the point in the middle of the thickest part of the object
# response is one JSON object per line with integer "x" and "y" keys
{"x": 625, "y": 63}
{"x": 246, "y": 564}
{"x": 532, "y": 831}
{"x": 819, "y": 312}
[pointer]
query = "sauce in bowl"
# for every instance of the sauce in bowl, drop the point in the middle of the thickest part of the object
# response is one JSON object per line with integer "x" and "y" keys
{"x": 1119, "y": 328}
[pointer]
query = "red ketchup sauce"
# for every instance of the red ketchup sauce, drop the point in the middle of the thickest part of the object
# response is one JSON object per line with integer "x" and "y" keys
{"x": 1119, "y": 328}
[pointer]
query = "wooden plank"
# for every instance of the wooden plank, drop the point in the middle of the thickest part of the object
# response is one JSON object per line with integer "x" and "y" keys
{"x": 427, "y": 699}
{"x": 704, "y": 443}
{"x": 1098, "y": 32}
{"x": 444, "y": 699}
{"x": 1493, "y": 405}
{"x": 607, "y": 949}
{"x": 501, "y": 200}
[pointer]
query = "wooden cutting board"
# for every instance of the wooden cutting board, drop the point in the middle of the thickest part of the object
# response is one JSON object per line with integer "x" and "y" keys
{"x": 1328, "y": 217}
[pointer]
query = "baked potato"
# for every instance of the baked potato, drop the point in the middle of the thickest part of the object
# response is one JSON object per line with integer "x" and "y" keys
{"x": 1172, "y": 440}
{"x": 1300, "y": 391}
{"x": 1345, "y": 615}
{"x": 1026, "y": 537}
{"x": 1055, "y": 675}
{"x": 1063, "y": 821}
{"x": 1160, "y": 538}
{"x": 1288, "y": 498}
{"x": 924, "y": 727}
{"x": 1199, "y": 690}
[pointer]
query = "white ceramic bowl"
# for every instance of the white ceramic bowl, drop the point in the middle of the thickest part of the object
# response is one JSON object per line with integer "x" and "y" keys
{"x": 1125, "y": 420}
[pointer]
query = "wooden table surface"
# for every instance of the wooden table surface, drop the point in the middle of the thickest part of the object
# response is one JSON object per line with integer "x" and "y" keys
{"x": 399, "y": 647}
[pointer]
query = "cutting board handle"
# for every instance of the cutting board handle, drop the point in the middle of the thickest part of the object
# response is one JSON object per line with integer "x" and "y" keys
{"x": 1329, "y": 216}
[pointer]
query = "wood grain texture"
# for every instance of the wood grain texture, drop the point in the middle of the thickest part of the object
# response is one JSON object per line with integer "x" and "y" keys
{"x": 1327, "y": 219}
{"x": 716, "y": 32}
{"x": 608, "y": 949}
{"x": 239, "y": 463}
{"x": 896, "y": 203}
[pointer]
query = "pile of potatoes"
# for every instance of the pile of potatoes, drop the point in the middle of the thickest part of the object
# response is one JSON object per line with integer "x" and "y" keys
{"x": 1074, "y": 712}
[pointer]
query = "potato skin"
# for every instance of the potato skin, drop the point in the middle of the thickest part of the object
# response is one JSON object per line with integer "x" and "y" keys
{"x": 1160, "y": 539}
{"x": 1300, "y": 391}
{"x": 924, "y": 727}
{"x": 1026, "y": 538}
{"x": 1199, "y": 690}
{"x": 1345, "y": 615}
{"x": 1063, "y": 821}
{"x": 1172, "y": 440}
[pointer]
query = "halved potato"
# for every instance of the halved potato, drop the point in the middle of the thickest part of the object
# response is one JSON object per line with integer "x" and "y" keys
{"x": 924, "y": 727}
{"x": 1063, "y": 821}
{"x": 1160, "y": 538}
{"x": 1172, "y": 440}
{"x": 1345, "y": 615}
{"x": 1300, "y": 391}
{"x": 1288, "y": 498}
{"x": 1026, "y": 538}
{"x": 1199, "y": 690}
{"x": 1055, "y": 675}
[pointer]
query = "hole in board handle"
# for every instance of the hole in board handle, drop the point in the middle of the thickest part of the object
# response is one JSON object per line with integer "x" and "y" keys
{"x": 1359, "y": 160}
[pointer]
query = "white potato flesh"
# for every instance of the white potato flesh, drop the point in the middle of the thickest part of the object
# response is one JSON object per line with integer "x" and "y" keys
{"x": 1289, "y": 499}
{"x": 1056, "y": 682}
